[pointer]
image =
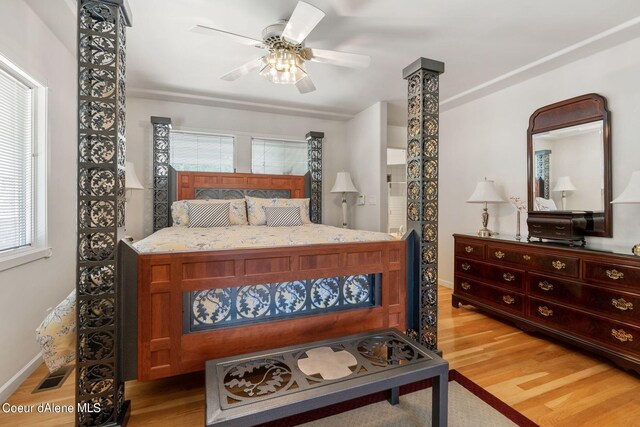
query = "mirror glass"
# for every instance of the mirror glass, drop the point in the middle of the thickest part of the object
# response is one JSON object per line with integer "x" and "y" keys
{"x": 569, "y": 169}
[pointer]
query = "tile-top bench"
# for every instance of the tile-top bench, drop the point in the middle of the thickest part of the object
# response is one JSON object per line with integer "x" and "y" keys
{"x": 265, "y": 386}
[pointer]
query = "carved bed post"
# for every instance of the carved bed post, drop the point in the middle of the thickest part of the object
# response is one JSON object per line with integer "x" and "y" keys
{"x": 101, "y": 187}
{"x": 422, "y": 191}
{"x": 314, "y": 145}
{"x": 161, "y": 144}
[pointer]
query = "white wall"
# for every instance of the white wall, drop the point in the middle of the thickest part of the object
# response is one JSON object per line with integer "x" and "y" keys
{"x": 366, "y": 153}
{"x": 28, "y": 290}
{"x": 244, "y": 125}
{"x": 487, "y": 137}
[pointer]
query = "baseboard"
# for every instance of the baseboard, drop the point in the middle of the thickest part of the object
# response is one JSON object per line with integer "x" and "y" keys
{"x": 12, "y": 385}
{"x": 445, "y": 283}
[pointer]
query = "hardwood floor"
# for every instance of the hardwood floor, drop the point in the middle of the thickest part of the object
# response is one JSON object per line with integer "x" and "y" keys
{"x": 553, "y": 384}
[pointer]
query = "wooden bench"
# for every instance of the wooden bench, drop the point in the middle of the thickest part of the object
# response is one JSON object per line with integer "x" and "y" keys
{"x": 259, "y": 387}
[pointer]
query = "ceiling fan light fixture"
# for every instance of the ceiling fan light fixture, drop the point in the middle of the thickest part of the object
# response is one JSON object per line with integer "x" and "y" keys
{"x": 283, "y": 66}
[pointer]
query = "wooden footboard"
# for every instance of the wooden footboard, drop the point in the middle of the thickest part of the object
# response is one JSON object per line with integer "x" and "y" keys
{"x": 164, "y": 347}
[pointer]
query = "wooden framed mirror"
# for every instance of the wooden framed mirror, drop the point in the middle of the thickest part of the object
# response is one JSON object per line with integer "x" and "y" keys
{"x": 569, "y": 163}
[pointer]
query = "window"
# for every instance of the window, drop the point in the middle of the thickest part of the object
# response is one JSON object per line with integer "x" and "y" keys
{"x": 22, "y": 167}
{"x": 191, "y": 151}
{"x": 276, "y": 157}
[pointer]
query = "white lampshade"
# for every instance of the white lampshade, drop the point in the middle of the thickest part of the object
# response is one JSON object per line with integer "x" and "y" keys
{"x": 131, "y": 179}
{"x": 344, "y": 184}
{"x": 564, "y": 184}
{"x": 485, "y": 192}
{"x": 631, "y": 194}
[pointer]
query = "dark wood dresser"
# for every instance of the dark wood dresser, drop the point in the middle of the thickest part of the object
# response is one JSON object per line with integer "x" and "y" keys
{"x": 586, "y": 297}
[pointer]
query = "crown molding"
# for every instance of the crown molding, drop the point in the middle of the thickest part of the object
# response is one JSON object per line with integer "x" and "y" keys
{"x": 162, "y": 95}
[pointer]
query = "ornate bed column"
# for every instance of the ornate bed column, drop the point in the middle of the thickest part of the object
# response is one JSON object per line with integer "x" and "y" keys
{"x": 314, "y": 145}
{"x": 422, "y": 190}
{"x": 101, "y": 187}
{"x": 161, "y": 134}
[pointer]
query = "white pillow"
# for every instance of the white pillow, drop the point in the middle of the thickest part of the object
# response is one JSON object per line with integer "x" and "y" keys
{"x": 543, "y": 204}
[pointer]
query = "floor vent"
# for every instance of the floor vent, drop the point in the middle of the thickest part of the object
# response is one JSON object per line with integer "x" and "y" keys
{"x": 54, "y": 380}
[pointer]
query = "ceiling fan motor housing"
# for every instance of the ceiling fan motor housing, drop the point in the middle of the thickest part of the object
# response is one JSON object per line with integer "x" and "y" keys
{"x": 272, "y": 37}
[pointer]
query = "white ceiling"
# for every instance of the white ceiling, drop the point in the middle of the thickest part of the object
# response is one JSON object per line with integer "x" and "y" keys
{"x": 479, "y": 41}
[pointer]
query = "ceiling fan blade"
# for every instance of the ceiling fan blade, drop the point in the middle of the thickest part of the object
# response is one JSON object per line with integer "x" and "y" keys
{"x": 242, "y": 70}
{"x": 303, "y": 20}
{"x": 248, "y": 41}
{"x": 305, "y": 85}
{"x": 343, "y": 59}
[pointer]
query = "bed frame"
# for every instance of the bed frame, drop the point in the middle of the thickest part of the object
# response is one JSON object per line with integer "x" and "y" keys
{"x": 154, "y": 286}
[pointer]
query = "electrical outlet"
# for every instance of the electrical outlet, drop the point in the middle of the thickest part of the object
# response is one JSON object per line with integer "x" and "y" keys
{"x": 360, "y": 201}
{"x": 373, "y": 200}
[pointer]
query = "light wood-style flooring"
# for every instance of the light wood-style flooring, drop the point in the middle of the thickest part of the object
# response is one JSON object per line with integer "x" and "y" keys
{"x": 553, "y": 384}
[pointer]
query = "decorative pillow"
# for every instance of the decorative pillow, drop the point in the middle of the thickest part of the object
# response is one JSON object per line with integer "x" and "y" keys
{"x": 207, "y": 215}
{"x": 543, "y": 204}
{"x": 288, "y": 216}
{"x": 256, "y": 205}
{"x": 237, "y": 211}
{"x": 56, "y": 335}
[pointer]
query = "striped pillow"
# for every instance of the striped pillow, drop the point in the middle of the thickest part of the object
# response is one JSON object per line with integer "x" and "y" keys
{"x": 278, "y": 216}
{"x": 206, "y": 215}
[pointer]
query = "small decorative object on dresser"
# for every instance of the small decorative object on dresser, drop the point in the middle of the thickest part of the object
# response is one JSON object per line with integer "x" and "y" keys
{"x": 631, "y": 195}
{"x": 485, "y": 192}
{"x": 520, "y": 206}
{"x": 586, "y": 297}
{"x": 344, "y": 185}
{"x": 558, "y": 225}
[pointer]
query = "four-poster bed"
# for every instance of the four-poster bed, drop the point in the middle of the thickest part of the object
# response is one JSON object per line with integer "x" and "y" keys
{"x": 103, "y": 299}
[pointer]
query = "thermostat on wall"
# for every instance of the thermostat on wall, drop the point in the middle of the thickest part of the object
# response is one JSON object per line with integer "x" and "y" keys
{"x": 360, "y": 201}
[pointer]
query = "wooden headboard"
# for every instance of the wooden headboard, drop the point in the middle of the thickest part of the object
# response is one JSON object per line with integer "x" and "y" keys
{"x": 190, "y": 185}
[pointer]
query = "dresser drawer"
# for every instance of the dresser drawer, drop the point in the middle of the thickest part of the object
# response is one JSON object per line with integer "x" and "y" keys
{"x": 623, "y": 306}
{"x": 503, "y": 299}
{"x": 617, "y": 335}
{"x": 612, "y": 274}
{"x": 560, "y": 265}
{"x": 509, "y": 278}
{"x": 470, "y": 249}
{"x": 549, "y": 227}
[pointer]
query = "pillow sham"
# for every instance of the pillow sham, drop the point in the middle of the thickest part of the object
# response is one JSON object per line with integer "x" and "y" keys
{"x": 237, "y": 211}
{"x": 256, "y": 205}
{"x": 283, "y": 216}
{"x": 206, "y": 215}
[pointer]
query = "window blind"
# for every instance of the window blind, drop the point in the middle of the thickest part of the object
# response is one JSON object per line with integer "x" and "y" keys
{"x": 16, "y": 163}
{"x": 272, "y": 156}
{"x": 201, "y": 152}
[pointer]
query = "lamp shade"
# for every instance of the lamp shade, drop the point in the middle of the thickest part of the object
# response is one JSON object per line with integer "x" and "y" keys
{"x": 631, "y": 194}
{"x": 485, "y": 192}
{"x": 131, "y": 179}
{"x": 344, "y": 184}
{"x": 564, "y": 184}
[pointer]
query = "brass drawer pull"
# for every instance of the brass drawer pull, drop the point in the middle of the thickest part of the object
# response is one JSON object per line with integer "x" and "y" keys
{"x": 509, "y": 277}
{"x": 558, "y": 265}
{"x": 559, "y": 228}
{"x": 615, "y": 274}
{"x": 465, "y": 266}
{"x": 465, "y": 286}
{"x": 499, "y": 254}
{"x": 526, "y": 257}
{"x": 508, "y": 299}
{"x": 621, "y": 335}
{"x": 621, "y": 304}
{"x": 545, "y": 311}
{"x": 536, "y": 226}
{"x": 468, "y": 249}
{"x": 545, "y": 286}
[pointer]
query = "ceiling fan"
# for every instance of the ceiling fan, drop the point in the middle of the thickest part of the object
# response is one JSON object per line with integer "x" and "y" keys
{"x": 285, "y": 61}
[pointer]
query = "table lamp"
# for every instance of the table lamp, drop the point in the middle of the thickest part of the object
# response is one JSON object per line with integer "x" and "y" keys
{"x": 485, "y": 192}
{"x": 564, "y": 184}
{"x": 344, "y": 185}
{"x": 130, "y": 178}
{"x": 631, "y": 195}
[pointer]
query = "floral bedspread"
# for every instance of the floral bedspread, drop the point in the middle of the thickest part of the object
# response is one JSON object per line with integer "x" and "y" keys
{"x": 183, "y": 239}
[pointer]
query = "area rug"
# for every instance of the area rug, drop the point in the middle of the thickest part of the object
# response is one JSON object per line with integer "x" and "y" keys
{"x": 469, "y": 405}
